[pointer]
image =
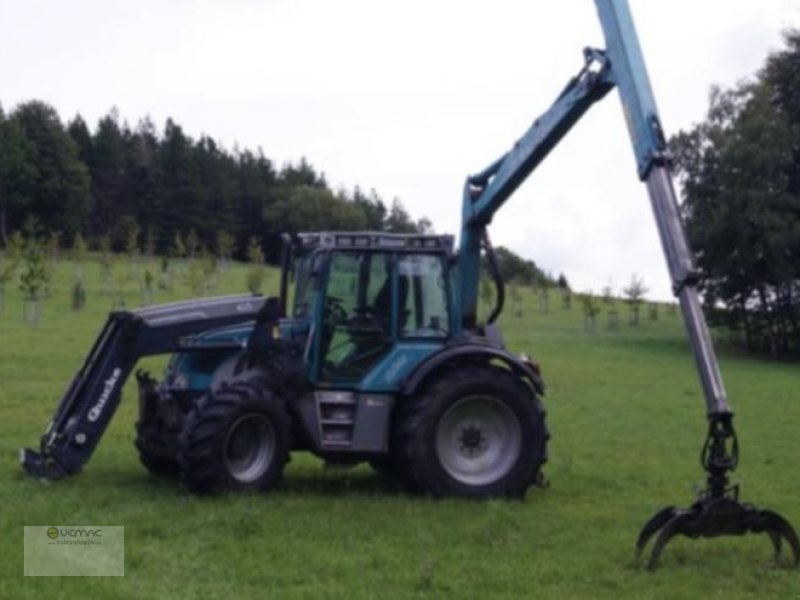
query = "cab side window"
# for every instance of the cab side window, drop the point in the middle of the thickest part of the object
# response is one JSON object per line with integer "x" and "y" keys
{"x": 425, "y": 311}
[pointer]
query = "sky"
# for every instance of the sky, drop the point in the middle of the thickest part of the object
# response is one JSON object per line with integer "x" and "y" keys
{"x": 406, "y": 97}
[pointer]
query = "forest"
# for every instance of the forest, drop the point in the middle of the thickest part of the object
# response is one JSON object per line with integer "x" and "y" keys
{"x": 739, "y": 171}
{"x": 115, "y": 187}
{"x": 123, "y": 186}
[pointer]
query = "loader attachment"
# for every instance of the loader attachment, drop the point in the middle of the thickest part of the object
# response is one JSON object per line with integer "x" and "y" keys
{"x": 93, "y": 395}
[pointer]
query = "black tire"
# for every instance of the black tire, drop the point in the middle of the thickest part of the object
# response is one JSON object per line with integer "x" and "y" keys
{"x": 237, "y": 439}
{"x": 389, "y": 467}
{"x": 475, "y": 431}
{"x": 148, "y": 443}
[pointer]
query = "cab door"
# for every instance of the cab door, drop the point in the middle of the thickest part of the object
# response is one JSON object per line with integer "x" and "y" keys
{"x": 358, "y": 324}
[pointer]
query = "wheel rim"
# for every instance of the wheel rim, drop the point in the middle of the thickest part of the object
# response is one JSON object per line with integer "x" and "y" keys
{"x": 249, "y": 447}
{"x": 478, "y": 440}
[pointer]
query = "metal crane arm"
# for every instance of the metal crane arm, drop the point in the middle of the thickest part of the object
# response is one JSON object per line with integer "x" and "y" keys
{"x": 622, "y": 66}
{"x": 717, "y": 511}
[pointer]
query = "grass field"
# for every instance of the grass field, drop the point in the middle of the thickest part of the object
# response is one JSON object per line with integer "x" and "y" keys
{"x": 627, "y": 418}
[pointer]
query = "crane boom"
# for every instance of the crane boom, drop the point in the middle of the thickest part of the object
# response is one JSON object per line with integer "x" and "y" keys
{"x": 621, "y": 65}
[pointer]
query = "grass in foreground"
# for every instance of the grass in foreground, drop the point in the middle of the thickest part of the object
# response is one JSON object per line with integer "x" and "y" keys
{"x": 627, "y": 418}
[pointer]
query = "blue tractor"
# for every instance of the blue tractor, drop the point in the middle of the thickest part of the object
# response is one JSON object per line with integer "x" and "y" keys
{"x": 382, "y": 358}
{"x": 372, "y": 320}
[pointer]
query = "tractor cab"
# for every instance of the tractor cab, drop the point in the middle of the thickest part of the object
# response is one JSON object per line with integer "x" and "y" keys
{"x": 365, "y": 300}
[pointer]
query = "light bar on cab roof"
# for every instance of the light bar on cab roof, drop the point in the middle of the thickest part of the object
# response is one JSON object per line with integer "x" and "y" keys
{"x": 377, "y": 241}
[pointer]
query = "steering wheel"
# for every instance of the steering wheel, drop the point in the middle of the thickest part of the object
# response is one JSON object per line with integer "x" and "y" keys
{"x": 334, "y": 310}
{"x": 368, "y": 317}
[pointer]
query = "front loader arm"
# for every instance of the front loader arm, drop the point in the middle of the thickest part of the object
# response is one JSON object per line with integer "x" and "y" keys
{"x": 92, "y": 397}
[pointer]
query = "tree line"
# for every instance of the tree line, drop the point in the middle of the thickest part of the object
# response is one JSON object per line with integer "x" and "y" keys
{"x": 119, "y": 185}
{"x": 740, "y": 174}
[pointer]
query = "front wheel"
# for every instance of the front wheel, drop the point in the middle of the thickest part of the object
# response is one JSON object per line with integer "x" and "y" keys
{"x": 236, "y": 439}
{"x": 475, "y": 431}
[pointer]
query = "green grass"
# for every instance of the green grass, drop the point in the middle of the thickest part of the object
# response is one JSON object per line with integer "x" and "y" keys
{"x": 627, "y": 418}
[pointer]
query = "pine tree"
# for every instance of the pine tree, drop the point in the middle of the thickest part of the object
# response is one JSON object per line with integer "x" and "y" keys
{"x": 59, "y": 194}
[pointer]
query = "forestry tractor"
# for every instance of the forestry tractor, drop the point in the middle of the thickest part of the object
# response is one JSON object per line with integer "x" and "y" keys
{"x": 381, "y": 357}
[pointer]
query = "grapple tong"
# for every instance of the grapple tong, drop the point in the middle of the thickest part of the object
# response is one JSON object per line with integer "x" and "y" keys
{"x": 717, "y": 510}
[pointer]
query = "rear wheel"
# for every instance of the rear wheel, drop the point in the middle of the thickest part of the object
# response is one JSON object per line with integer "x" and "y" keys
{"x": 235, "y": 439}
{"x": 476, "y": 431}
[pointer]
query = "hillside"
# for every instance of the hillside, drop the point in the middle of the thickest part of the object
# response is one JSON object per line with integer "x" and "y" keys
{"x": 627, "y": 418}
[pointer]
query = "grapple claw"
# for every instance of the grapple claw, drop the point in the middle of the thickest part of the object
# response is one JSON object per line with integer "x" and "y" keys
{"x": 777, "y": 527}
{"x": 712, "y": 517}
{"x": 650, "y": 528}
{"x": 679, "y": 524}
{"x": 717, "y": 511}
{"x": 776, "y": 543}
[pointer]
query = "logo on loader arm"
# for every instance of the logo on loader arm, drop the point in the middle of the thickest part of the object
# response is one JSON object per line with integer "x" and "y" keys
{"x": 108, "y": 389}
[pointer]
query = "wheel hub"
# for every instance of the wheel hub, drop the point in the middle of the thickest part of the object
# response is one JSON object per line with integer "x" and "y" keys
{"x": 472, "y": 440}
{"x": 478, "y": 440}
{"x": 249, "y": 447}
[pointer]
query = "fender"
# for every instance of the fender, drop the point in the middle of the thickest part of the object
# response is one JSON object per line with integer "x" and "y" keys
{"x": 472, "y": 351}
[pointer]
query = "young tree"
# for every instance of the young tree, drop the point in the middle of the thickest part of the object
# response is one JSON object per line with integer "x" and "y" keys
{"x": 591, "y": 309}
{"x": 256, "y": 273}
{"x": 543, "y": 292}
{"x": 566, "y": 292}
{"x": 9, "y": 263}
{"x": 192, "y": 244}
{"x": 608, "y": 293}
{"x": 78, "y": 254}
{"x": 225, "y": 245}
{"x": 634, "y": 295}
{"x": 147, "y": 288}
{"x": 35, "y": 274}
{"x": 613, "y": 319}
{"x": 126, "y": 235}
{"x": 178, "y": 246}
{"x": 653, "y": 311}
{"x": 106, "y": 263}
{"x": 516, "y": 299}
{"x": 149, "y": 244}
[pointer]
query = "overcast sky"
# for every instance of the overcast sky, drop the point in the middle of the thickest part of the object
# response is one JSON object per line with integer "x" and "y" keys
{"x": 404, "y": 97}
